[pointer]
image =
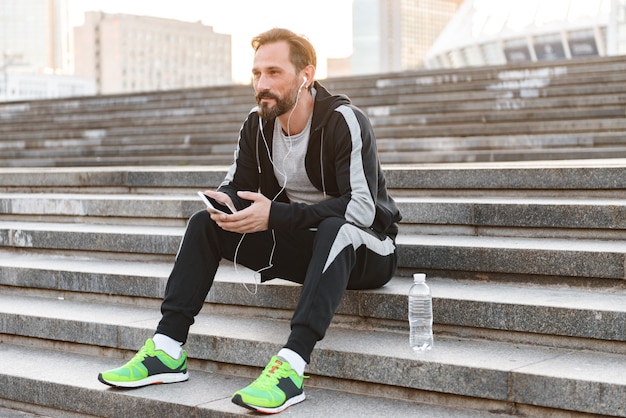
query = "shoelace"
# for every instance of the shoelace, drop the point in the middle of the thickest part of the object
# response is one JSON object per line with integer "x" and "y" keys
{"x": 271, "y": 374}
{"x": 141, "y": 354}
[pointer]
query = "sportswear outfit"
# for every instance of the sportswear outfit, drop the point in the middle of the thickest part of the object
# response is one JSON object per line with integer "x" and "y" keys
{"x": 343, "y": 241}
{"x": 338, "y": 234}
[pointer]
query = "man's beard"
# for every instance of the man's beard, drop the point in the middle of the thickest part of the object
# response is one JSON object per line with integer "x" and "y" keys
{"x": 281, "y": 106}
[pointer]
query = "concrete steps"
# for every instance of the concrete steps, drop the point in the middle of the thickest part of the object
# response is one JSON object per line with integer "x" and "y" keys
{"x": 511, "y": 370}
{"x": 539, "y": 111}
{"x": 497, "y": 372}
{"x": 525, "y": 261}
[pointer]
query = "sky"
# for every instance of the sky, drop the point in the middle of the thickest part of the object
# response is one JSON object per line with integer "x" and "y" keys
{"x": 327, "y": 23}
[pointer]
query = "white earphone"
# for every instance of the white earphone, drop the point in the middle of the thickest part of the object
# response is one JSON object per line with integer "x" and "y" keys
{"x": 303, "y": 83}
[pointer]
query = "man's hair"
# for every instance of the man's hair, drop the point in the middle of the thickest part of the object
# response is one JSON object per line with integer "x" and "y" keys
{"x": 301, "y": 51}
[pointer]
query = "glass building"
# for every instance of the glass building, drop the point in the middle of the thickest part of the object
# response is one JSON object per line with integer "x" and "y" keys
{"x": 395, "y": 35}
{"x": 34, "y": 36}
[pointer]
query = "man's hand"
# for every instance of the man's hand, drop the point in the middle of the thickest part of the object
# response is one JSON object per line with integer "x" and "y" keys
{"x": 254, "y": 218}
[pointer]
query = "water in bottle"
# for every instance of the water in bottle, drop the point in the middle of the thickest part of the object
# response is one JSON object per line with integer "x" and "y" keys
{"x": 420, "y": 314}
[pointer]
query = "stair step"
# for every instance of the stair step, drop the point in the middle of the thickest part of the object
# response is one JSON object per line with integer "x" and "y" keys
{"x": 68, "y": 381}
{"x": 128, "y": 239}
{"x": 512, "y": 255}
{"x": 531, "y": 212}
{"x": 110, "y": 207}
{"x": 536, "y": 256}
{"x": 528, "y": 178}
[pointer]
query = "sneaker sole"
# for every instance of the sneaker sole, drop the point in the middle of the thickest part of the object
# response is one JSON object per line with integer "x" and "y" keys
{"x": 289, "y": 402}
{"x": 156, "y": 379}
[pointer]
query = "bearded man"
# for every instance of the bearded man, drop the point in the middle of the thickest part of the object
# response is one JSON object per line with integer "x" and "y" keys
{"x": 310, "y": 206}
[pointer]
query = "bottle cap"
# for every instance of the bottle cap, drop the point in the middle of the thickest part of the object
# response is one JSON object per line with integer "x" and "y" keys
{"x": 419, "y": 277}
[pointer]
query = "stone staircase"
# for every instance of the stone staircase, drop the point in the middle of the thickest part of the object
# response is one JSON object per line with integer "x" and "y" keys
{"x": 516, "y": 212}
{"x": 543, "y": 111}
{"x": 525, "y": 261}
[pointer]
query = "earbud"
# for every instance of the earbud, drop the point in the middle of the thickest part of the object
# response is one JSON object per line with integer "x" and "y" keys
{"x": 303, "y": 82}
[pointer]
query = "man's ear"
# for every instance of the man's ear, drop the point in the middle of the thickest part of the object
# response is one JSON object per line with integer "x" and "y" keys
{"x": 308, "y": 72}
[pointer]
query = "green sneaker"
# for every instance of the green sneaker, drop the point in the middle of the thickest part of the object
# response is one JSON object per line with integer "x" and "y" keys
{"x": 277, "y": 388}
{"x": 148, "y": 367}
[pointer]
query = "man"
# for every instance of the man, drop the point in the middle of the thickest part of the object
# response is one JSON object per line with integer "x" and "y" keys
{"x": 330, "y": 226}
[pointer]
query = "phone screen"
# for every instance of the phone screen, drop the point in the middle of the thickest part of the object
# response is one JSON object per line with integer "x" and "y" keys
{"x": 214, "y": 205}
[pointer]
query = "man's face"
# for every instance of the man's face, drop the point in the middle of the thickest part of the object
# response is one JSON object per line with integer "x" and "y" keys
{"x": 275, "y": 80}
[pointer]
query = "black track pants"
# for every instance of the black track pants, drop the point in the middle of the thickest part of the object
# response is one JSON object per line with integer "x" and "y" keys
{"x": 336, "y": 257}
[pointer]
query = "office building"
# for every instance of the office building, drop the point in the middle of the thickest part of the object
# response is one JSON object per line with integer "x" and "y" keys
{"x": 127, "y": 53}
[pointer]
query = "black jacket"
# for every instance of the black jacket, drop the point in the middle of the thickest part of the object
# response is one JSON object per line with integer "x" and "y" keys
{"x": 341, "y": 161}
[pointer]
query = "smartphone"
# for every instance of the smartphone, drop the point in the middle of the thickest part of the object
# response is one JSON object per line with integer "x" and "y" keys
{"x": 215, "y": 206}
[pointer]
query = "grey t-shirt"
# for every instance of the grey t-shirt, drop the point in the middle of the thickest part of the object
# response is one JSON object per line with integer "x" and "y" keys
{"x": 288, "y": 156}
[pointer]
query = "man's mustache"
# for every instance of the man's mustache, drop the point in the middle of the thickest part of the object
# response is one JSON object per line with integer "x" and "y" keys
{"x": 266, "y": 95}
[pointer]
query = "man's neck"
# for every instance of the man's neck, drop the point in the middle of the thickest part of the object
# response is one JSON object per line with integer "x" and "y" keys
{"x": 298, "y": 119}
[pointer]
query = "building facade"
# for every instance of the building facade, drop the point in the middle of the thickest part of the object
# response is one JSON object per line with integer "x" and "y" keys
{"x": 395, "y": 35}
{"x": 127, "y": 53}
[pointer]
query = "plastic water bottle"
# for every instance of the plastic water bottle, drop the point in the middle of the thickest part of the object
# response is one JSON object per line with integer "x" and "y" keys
{"x": 420, "y": 314}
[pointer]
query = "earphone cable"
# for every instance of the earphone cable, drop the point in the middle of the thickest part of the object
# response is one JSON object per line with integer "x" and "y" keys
{"x": 257, "y": 273}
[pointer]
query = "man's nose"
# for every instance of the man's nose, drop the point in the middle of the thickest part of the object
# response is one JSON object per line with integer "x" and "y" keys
{"x": 262, "y": 83}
